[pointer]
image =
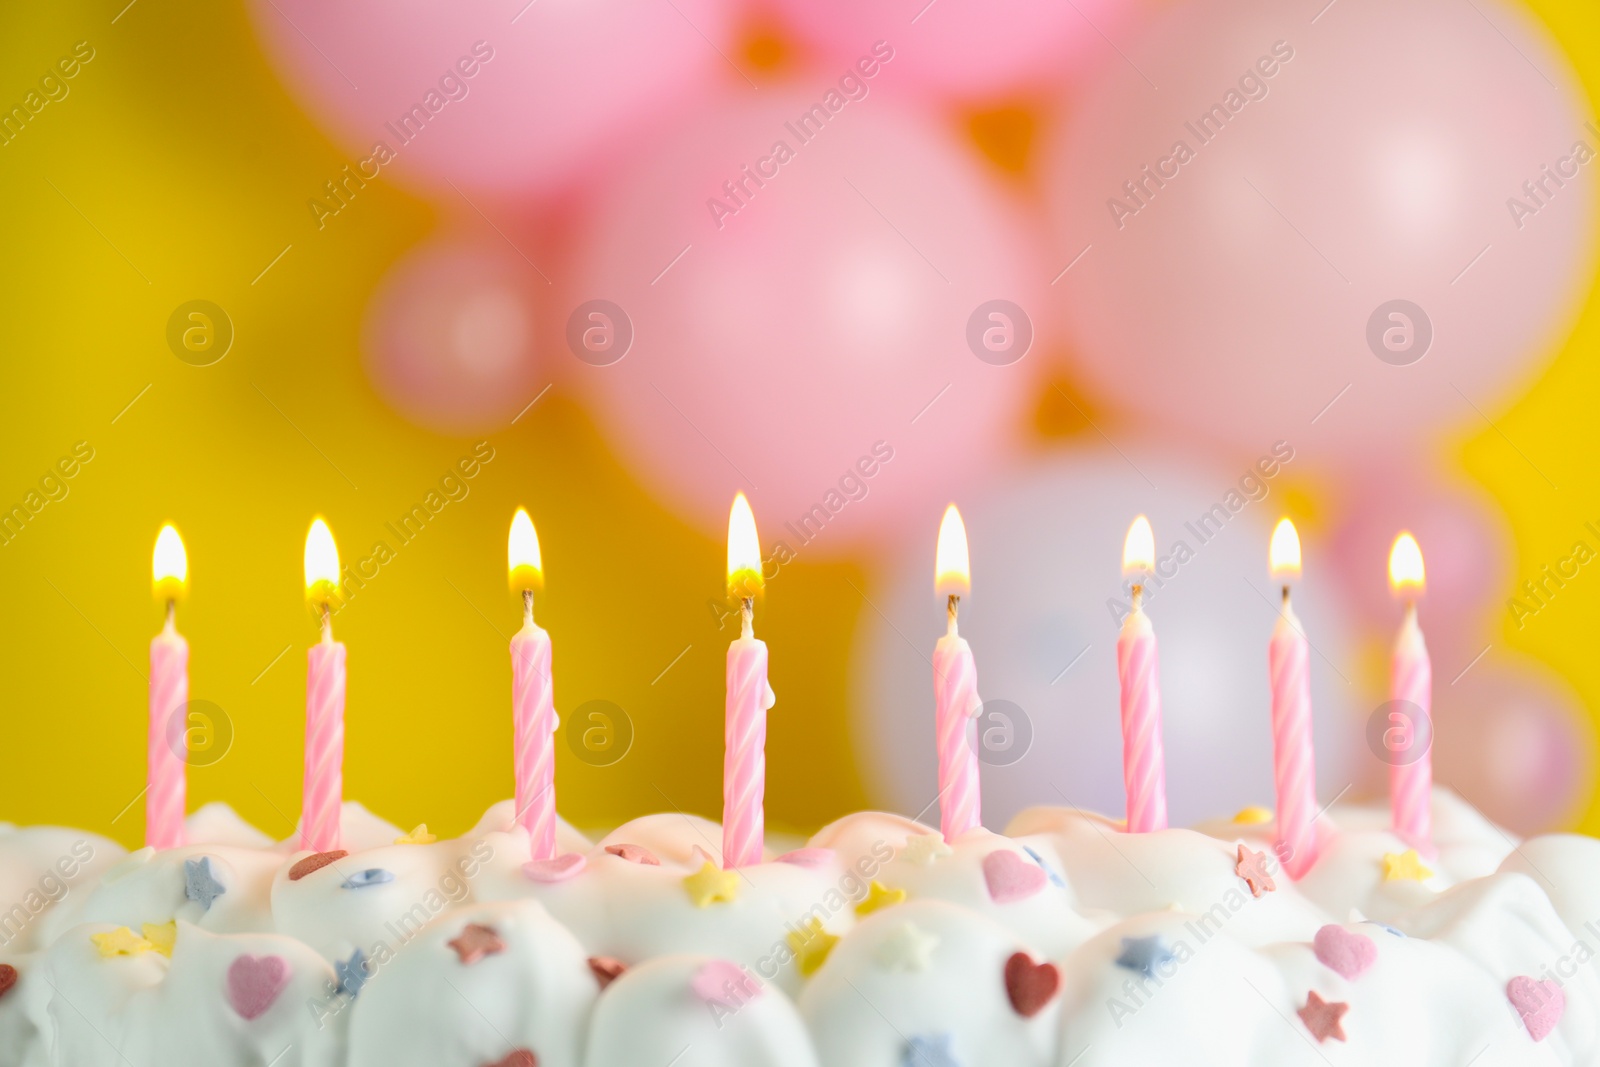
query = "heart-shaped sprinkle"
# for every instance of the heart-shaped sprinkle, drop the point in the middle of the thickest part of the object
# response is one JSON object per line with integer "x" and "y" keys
{"x": 634, "y": 854}
{"x": 810, "y": 858}
{"x": 314, "y": 863}
{"x": 1541, "y": 1004}
{"x": 565, "y": 866}
{"x": 1010, "y": 877}
{"x": 8, "y": 978}
{"x": 1345, "y": 952}
{"x": 1030, "y": 985}
{"x": 370, "y": 877}
{"x": 724, "y": 982}
{"x": 518, "y": 1058}
{"x": 254, "y": 982}
{"x": 606, "y": 969}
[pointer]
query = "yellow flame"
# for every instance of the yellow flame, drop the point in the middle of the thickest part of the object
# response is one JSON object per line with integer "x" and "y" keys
{"x": 1139, "y": 549}
{"x": 744, "y": 550}
{"x": 322, "y": 562}
{"x": 952, "y": 566}
{"x": 169, "y": 566}
{"x": 523, "y": 561}
{"x": 1405, "y": 565}
{"x": 1284, "y": 555}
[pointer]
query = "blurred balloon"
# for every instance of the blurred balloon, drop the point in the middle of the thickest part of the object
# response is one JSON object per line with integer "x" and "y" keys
{"x": 498, "y": 95}
{"x": 1514, "y": 740}
{"x": 449, "y": 337}
{"x": 962, "y": 47}
{"x": 835, "y": 322}
{"x": 1046, "y": 545}
{"x": 1319, "y": 229}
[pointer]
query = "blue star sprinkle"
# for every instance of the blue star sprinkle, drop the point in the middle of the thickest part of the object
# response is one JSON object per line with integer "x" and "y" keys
{"x": 928, "y": 1052}
{"x": 1383, "y": 926}
{"x": 198, "y": 883}
{"x": 369, "y": 877}
{"x": 352, "y": 973}
{"x": 1144, "y": 954}
{"x": 1055, "y": 879}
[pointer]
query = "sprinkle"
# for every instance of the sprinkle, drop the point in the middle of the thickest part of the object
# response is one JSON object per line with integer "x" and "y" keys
{"x": 1323, "y": 1018}
{"x": 1253, "y": 816}
{"x": 8, "y": 978}
{"x": 925, "y": 848}
{"x": 548, "y": 872}
{"x": 1383, "y": 926}
{"x": 1010, "y": 878}
{"x": 120, "y": 942}
{"x": 476, "y": 942}
{"x": 907, "y": 948}
{"x": 1404, "y": 866}
{"x": 1055, "y": 879}
{"x": 365, "y": 879}
{"x": 314, "y": 863}
{"x": 811, "y": 858}
{"x": 517, "y": 1058}
{"x": 199, "y": 884}
{"x": 634, "y": 854}
{"x": 162, "y": 937}
{"x": 254, "y": 983}
{"x": 722, "y": 982}
{"x": 879, "y": 897}
{"x": 606, "y": 969}
{"x": 1540, "y": 1004}
{"x": 1144, "y": 954}
{"x": 1345, "y": 952}
{"x": 1030, "y": 985}
{"x": 352, "y": 973}
{"x": 703, "y": 856}
{"x": 1252, "y": 867}
{"x": 929, "y": 1051}
{"x": 811, "y": 945}
{"x": 419, "y": 836}
{"x": 710, "y": 884}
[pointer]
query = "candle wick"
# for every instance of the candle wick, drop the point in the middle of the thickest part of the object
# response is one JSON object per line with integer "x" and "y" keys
{"x": 172, "y": 615}
{"x": 747, "y": 611}
{"x": 952, "y": 608}
{"x": 1138, "y": 597}
{"x": 327, "y": 622}
{"x": 527, "y": 607}
{"x": 1286, "y": 596}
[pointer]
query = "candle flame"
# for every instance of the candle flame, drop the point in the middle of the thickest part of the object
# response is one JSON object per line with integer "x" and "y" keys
{"x": 523, "y": 561}
{"x": 322, "y": 563}
{"x": 1406, "y": 574}
{"x": 169, "y": 566}
{"x": 744, "y": 550}
{"x": 1139, "y": 549}
{"x": 952, "y": 565}
{"x": 1284, "y": 555}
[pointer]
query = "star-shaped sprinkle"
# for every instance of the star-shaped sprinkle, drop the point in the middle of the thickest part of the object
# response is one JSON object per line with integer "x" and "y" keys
{"x": 352, "y": 973}
{"x": 1144, "y": 954}
{"x": 928, "y": 1051}
{"x": 1253, "y": 816}
{"x": 1405, "y": 866}
{"x": 811, "y": 945}
{"x": 418, "y": 836}
{"x": 1323, "y": 1018}
{"x": 315, "y": 862}
{"x": 710, "y": 884}
{"x": 162, "y": 937}
{"x": 120, "y": 942}
{"x": 880, "y": 896}
{"x": 908, "y": 947}
{"x": 199, "y": 884}
{"x": 925, "y": 848}
{"x": 364, "y": 879}
{"x": 517, "y": 1058}
{"x": 606, "y": 969}
{"x": 8, "y": 978}
{"x": 476, "y": 942}
{"x": 1252, "y": 867}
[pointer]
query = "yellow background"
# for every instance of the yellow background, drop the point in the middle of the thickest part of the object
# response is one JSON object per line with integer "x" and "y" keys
{"x": 177, "y": 169}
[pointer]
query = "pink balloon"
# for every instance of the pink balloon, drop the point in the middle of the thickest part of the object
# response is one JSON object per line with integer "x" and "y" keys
{"x": 449, "y": 338}
{"x": 1305, "y": 234}
{"x": 805, "y": 318}
{"x": 497, "y": 95}
{"x": 963, "y": 48}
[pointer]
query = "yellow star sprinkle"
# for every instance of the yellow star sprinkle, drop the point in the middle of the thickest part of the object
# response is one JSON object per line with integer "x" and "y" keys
{"x": 1253, "y": 816}
{"x": 120, "y": 942}
{"x": 879, "y": 897}
{"x": 925, "y": 848}
{"x": 1405, "y": 866}
{"x": 162, "y": 937}
{"x": 419, "y": 836}
{"x": 811, "y": 945}
{"x": 710, "y": 884}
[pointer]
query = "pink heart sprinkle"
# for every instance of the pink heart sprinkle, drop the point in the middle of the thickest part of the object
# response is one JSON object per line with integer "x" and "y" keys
{"x": 808, "y": 857}
{"x": 254, "y": 982}
{"x": 1010, "y": 877}
{"x": 725, "y": 983}
{"x": 1345, "y": 952}
{"x": 634, "y": 854}
{"x": 565, "y": 866}
{"x": 1541, "y": 1004}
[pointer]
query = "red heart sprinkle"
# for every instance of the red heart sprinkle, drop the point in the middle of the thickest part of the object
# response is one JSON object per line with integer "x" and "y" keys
{"x": 606, "y": 969}
{"x": 312, "y": 864}
{"x": 519, "y": 1058}
{"x": 8, "y": 978}
{"x": 1030, "y": 985}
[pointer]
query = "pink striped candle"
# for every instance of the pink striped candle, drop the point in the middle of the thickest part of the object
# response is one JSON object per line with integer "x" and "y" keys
{"x": 167, "y": 782}
{"x": 1409, "y": 744}
{"x": 744, "y": 765}
{"x": 532, "y": 698}
{"x": 955, "y": 688}
{"x": 1293, "y": 750}
{"x": 1144, "y": 770}
{"x": 323, "y": 787}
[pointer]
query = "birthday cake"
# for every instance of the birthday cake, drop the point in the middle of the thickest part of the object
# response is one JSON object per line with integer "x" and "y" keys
{"x": 1065, "y": 941}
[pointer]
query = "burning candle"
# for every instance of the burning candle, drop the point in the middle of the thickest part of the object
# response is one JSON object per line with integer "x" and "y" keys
{"x": 323, "y": 789}
{"x": 1294, "y": 759}
{"x": 744, "y": 762}
{"x": 955, "y": 686}
{"x": 1144, "y": 769}
{"x": 169, "y": 692}
{"x": 1410, "y": 736}
{"x": 532, "y": 697}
